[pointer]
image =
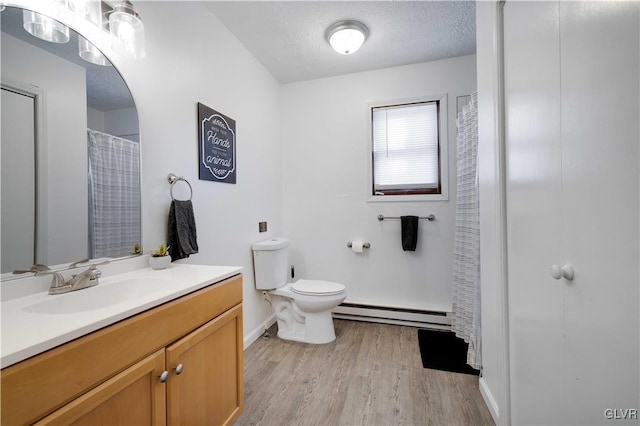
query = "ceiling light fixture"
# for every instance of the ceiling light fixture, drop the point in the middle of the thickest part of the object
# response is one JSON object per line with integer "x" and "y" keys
{"x": 347, "y": 36}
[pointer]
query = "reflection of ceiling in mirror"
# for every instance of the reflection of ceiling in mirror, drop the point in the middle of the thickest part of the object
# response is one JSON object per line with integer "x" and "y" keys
{"x": 106, "y": 90}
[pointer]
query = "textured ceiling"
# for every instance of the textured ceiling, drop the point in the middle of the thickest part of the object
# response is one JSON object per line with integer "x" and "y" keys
{"x": 287, "y": 37}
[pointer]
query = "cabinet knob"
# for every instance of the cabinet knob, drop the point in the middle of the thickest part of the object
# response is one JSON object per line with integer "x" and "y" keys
{"x": 164, "y": 376}
{"x": 178, "y": 369}
{"x": 565, "y": 271}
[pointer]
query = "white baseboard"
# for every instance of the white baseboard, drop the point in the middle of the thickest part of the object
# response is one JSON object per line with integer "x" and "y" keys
{"x": 258, "y": 331}
{"x": 489, "y": 400}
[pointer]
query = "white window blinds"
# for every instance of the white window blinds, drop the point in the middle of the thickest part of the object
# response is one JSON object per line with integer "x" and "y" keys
{"x": 405, "y": 147}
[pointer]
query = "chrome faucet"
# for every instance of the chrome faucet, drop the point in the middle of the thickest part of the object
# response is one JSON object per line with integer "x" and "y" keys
{"x": 85, "y": 279}
{"x": 59, "y": 285}
{"x": 88, "y": 278}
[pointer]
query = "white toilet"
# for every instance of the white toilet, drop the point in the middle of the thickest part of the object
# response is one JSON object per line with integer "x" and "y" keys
{"x": 303, "y": 309}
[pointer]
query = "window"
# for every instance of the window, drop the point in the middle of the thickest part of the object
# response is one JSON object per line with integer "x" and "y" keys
{"x": 406, "y": 149}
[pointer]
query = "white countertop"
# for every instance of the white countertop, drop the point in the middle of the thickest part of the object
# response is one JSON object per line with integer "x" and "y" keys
{"x": 34, "y": 323}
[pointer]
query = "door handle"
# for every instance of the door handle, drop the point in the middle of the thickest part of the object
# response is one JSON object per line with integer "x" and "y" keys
{"x": 565, "y": 271}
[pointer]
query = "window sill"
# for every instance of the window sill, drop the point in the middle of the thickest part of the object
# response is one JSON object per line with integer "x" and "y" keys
{"x": 407, "y": 198}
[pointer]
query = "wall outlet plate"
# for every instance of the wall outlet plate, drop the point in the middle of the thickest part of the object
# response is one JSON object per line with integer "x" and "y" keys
{"x": 262, "y": 226}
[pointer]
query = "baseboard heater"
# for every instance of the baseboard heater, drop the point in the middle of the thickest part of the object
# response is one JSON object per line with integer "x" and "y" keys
{"x": 434, "y": 320}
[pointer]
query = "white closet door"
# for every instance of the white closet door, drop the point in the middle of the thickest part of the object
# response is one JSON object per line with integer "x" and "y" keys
{"x": 18, "y": 181}
{"x": 571, "y": 91}
{"x": 534, "y": 198}
{"x": 600, "y": 78}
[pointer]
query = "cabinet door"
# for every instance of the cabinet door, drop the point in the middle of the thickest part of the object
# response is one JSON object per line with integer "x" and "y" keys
{"x": 600, "y": 140}
{"x": 534, "y": 196}
{"x": 209, "y": 388}
{"x": 133, "y": 397}
{"x": 571, "y": 73}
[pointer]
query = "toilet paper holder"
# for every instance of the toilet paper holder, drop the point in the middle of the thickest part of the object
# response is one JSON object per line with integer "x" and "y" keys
{"x": 364, "y": 245}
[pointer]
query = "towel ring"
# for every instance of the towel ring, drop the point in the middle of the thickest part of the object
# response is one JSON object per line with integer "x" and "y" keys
{"x": 173, "y": 179}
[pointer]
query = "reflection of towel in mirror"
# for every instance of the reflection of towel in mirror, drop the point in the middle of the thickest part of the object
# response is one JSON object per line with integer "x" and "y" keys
{"x": 409, "y": 232}
{"x": 182, "y": 238}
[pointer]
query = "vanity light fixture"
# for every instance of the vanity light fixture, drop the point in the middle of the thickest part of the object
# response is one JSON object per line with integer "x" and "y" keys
{"x": 87, "y": 51}
{"x": 90, "y": 53}
{"x": 117, "y": 18}
{"x": 80, "y": 7}
{"x": 347, "y": 36}
{"x": 127, "y": 30}
{"x": 44, "y": 27}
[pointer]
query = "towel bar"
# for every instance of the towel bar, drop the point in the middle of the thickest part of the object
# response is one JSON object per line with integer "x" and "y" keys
{"x": 364, "y": 245}
{"x": 430, "y": 217}
{"x": 173, "y": 179}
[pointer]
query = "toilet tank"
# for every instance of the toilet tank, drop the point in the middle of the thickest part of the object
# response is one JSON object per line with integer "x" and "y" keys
{"x": 270, "y": 263}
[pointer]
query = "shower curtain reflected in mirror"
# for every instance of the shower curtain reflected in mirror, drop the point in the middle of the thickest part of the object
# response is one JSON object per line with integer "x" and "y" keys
{"x": 114, "y": 195}
{"x": 466, "y": 258}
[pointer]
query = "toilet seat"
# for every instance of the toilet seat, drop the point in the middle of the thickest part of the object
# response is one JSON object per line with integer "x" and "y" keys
{"x": 317, "y": 288}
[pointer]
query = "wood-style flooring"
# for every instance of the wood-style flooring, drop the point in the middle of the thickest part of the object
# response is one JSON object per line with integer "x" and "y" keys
{"x": 371, "y": 374}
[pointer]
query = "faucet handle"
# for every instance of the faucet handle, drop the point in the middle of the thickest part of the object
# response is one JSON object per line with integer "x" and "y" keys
{"x": 57, "y": 281}
{"x": 74, "y": 264}
{"x": 35, "y": 268}
{"x": 94, "y": 272}
{"x": 91, "y": 262}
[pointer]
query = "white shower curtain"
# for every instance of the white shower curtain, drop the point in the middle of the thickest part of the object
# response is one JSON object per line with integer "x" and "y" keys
{"x": 466, "y": 259}
{"x": 114, "y": 195}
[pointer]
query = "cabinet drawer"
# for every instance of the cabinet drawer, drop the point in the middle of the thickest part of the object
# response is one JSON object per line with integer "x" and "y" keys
{"x": 39, "y": 385}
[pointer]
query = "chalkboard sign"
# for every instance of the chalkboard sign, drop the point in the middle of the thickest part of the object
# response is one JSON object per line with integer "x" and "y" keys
{"x": 217, "y": 139}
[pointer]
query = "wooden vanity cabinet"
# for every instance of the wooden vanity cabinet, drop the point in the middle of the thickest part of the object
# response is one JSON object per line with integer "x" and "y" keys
{"x": 209, "y": 390}
{"x": 134, "y": 396}
{"x": 201, "y": 353}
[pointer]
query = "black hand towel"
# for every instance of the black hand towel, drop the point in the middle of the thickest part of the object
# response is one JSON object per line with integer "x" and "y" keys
{"x": 182, "y": 238}
{"x": 409, "y": 232}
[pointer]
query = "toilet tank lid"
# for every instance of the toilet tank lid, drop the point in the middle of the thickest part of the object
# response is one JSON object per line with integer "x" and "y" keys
{"x": 271, "y": 244}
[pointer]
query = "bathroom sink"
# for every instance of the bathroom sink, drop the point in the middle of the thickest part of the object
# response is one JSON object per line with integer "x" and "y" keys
{"x": 100, "y": 296}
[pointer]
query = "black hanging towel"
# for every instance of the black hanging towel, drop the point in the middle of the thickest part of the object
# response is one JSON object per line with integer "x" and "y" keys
{"x": 182, "y": 230}
{"x": 409, "y": 232}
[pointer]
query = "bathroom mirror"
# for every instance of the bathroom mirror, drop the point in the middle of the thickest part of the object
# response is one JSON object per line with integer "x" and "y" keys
{"x": 70, "y": 152}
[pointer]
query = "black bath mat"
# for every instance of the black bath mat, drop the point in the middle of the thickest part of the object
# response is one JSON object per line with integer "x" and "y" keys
{"x": 442, "y": 350}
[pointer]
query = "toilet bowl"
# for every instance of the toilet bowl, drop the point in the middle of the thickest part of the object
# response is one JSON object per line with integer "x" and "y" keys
{"x": 303, "y": 308}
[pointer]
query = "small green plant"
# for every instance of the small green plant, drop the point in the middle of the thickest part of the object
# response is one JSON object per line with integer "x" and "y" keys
{"x": 137, "y": 249}
{"x": 161, "y": 251}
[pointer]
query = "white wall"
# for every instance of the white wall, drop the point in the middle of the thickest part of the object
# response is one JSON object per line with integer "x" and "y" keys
{"x": 325, "y": 155}
{"x": 122, "y": 122}
{"x": 62, "y": 151}
{"x": 95, "y": 119}
{"x": 198, "y": 60}
{"x": 494, "y": 383}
